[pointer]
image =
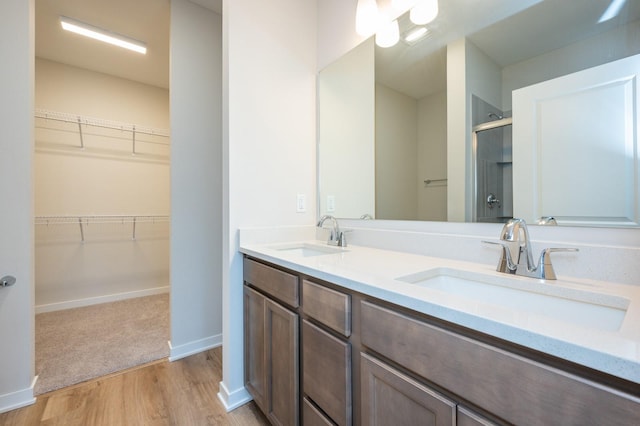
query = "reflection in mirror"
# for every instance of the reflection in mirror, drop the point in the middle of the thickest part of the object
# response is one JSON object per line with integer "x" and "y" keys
{"x": 419, "y": 128}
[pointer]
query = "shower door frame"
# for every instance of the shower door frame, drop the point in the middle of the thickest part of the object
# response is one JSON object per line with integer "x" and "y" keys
{"x": 507, "y": 121}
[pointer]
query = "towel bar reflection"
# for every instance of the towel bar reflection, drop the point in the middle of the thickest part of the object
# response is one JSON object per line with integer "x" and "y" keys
{"x": 429, "y": 181}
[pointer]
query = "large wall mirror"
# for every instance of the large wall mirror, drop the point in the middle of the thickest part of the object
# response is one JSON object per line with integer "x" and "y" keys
{"x": 502, "y": 110}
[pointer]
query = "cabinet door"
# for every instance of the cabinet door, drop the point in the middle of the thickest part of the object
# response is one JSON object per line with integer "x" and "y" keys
{"x": 327, "y": 372}
{"x": 255, "y": 362}
{"x": 271, "y": 357}
{"x": 282, "y": 360}
{"x": 391, "y": 398}
{"x": 509, "y": 386}
{"x": 466, "y": 417}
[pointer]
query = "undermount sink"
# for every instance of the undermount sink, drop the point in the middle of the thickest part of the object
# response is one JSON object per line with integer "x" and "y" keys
{"x": 537, "y": 300}
{"x": 308, "y": 249}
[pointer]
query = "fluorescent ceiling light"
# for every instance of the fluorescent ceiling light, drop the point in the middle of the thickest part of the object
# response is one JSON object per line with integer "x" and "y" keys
{"x": 416, "y": 34}
{"x": 102, "y": 35}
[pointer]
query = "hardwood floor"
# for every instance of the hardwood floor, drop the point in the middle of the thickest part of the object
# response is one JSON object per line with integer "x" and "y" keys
{"x": 180, "y": 393}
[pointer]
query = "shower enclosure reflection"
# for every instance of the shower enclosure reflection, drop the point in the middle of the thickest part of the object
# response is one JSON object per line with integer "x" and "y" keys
{"x": 492, "y": 163}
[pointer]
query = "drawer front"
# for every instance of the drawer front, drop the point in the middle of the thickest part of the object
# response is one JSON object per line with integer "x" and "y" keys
{"x": 311, "y": 416}
{"x": 281, "y": 285}
{"x": 392, "y": 398}
{"x": 514, "y": 388}
{"x": 332, "y": 308}
{"x": 327, "y": 372}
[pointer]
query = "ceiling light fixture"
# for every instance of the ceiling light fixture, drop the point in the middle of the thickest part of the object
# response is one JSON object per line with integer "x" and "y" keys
{"x": 403, "y": 5}
{"x": 102, "y": 35}
{"x": 388, "y": 35}
{"x": 367, "y": 17}
{"x": 424, "y": 12}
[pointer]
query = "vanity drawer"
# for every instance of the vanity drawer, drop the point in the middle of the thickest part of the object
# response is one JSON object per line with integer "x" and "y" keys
{"x": 311, "y": 416}
{"x": 522, "y": 391}
{"x": 332, "y": 308}
{"x": 326, "y": 372}
{"x": 279, "y": 284}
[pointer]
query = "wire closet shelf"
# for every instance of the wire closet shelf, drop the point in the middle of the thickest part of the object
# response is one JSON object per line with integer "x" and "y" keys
{"x": 81, "y": 120}
{"x": 83, "y": 221}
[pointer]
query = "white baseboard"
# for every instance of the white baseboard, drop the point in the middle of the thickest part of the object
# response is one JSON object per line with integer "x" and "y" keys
{"x": 194, "y": 347}
{"x": 68, "y": 304}
{"x": 233, "y": 400}
{"x": 18, "y": 399}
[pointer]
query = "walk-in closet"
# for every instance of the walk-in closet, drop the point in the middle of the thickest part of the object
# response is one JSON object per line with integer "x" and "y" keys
{"x": 101, "y": 192}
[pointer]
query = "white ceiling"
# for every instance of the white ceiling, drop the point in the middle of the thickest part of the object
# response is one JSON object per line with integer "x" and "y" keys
{"x": 542, "y": 28}
{"x": 420, "y": 70}
{"x": 144, "y": 20}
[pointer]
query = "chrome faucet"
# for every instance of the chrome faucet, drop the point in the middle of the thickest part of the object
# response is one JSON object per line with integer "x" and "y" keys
{"x": 516, "y": 257}
{"x": 336, "y": 238}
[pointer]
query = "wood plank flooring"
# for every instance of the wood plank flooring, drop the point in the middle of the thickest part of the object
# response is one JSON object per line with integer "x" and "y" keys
{"x": 178, "y": 393}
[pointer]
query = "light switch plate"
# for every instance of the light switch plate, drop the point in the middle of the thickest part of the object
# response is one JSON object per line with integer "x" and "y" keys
{"x": 331, "y": 203}
{"x": 301, "y": 203}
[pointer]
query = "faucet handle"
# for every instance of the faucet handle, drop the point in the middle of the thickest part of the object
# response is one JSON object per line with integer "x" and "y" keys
{"x": 545, "y": 268}
{"x": 342, "y": 240}
{"x": 505, "y": 264}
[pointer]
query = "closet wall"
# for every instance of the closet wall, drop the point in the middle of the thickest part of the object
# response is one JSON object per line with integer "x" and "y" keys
{"x": 102, "y": 178}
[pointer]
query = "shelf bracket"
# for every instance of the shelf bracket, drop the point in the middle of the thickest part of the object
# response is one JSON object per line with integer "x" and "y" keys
{"x": 80, "y": 132}
{"x": 81, "y": 229}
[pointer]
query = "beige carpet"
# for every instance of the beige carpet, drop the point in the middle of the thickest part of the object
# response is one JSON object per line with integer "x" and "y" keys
{"x": 79, "y": 344}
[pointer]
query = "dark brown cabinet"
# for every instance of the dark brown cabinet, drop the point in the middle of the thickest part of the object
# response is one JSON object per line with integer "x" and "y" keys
{"x": 466, "y": 417}
{"x": 389, "y": 397}
{"x": 327, "y": 372}
{"x": 364, "y": 361}
{"x": 255, "y": 370}
{"x": 505, "y": 385}
{"x": 329, "y": 307}
{"x": 272, "y": 357}
{"x": 326, "y": 353}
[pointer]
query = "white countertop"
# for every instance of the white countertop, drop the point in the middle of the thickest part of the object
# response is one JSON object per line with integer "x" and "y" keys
{"x": 374, "y": 271}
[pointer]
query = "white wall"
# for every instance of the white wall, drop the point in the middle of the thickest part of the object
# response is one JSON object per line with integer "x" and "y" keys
{"x": 16, "y": 223}
{"x": 432, "y": 156}
{"x": 196, "y": 178}
{"x": 66, "y": 88}
{"x": 269, "y": 134}
{"x": 594, "y": 51}
{"x": 396, "y": 155}
{"x": 336, "y": 30}
{"x": 483, "y": 76}
{"x": 469, "y": 72}
{"x": 104, "y": 178}
{"x": 346, "y": 134}
{"x": 457, "y": 126}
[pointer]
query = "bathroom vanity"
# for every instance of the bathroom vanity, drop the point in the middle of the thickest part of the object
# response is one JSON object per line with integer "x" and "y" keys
{"x": 341, "y": 336}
